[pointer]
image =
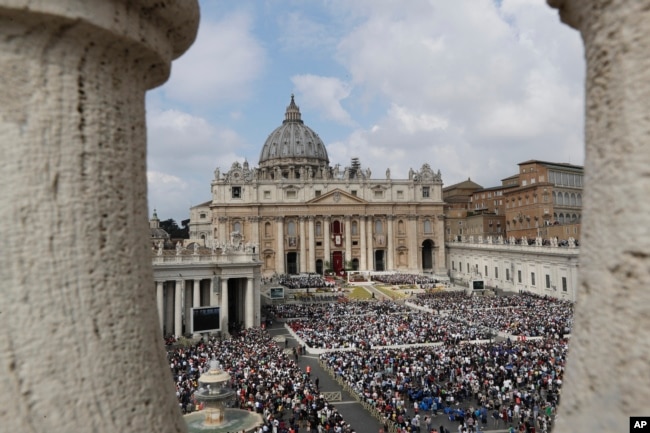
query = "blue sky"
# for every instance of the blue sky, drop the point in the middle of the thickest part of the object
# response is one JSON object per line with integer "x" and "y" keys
{"x": 472, "y": 87}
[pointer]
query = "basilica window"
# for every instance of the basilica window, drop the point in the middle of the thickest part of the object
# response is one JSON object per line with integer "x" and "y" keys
{"x": 291, "y": 228}
{"x": 354, "y": 228}
{"x": 236, "y": 227}
{"x": 425, "y": 192}
{"x": 267, "y": 230}
{"x": 318, "y": 228}
{"x": 379, "y": 227}
{"x": 400, "y": 227}
{"x": 236, "y": 192}
{"x": 427, "y": 226}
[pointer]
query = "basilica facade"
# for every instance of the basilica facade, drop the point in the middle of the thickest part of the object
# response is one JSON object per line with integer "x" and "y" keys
{"x": 303, "y": 215}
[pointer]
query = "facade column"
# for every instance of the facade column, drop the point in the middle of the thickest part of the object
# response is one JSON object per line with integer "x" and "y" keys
{"x": 363, "y": 264}
{"x": 390, "y": 245}
{"x": 303, "y": 246}
{"x": 196, "y": 299}
{"x": 255, "y": 232}
{"x": 249, "y": 315}
{"x": 223, "y": 230}
{"x": 178, "y": 308}
{"x": 348, "y": 241}
{"x": 279, "y": 245}
{"x": 224, "y": 306}
{"x": 160, "y": 303}
{"x": 326, "y": 241}
{"x": 370, "y": 244}
{"x": 413, "y": 242}
{"x": 440, "y": 266}
{"x": 311, "y": 266}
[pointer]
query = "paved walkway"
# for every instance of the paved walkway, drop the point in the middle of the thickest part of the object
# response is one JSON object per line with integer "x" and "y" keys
{"x": 352, "y": 410}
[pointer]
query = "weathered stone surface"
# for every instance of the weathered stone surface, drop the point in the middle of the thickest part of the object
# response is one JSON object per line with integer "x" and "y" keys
{"x": 80, "y": 347}
{"x": 608, "y": 378}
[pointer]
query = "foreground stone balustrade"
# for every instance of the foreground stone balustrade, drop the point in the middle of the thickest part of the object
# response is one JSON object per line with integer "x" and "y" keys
{"x": 80, "y": 347}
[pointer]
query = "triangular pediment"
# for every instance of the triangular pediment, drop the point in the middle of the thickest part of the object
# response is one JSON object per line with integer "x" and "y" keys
{"x": 337, "y": 197}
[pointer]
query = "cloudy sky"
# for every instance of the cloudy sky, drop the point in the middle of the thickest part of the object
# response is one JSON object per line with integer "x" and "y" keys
{"x": 473, "y": 87}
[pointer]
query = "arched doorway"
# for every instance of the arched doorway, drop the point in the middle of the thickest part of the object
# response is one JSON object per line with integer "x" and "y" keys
{"x": 427, "y": 255}
{"x": 319, "y": 266}
{"x": 337, "y": 262}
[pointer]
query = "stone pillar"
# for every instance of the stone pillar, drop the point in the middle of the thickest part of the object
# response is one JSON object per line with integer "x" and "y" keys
{"x": 250, "y": 304}
{"x": 413, "y": 243}
{"x": 440, "y": 266}
{"x": 73, "y": 204}
{"x": 370, "y": 244}
{"x": 255, "y": 230}
{"x": 390, "y": 246}
{"x": 348, "y": 240}
{"x": 224, "y": 306}
{"x": 606, "y": 379}
{"x": 363, "y": 262}
{"x": 279, "y": 244}
{"x": 178, "y": 308}
{"x": 224, "y": 236}
{"x": 326, "y": 240}
{"x": 311, "y": 265}
{"x": 159, "y": 302}
{"x": 196, "y": 298}
{"x": 303, "y": 246}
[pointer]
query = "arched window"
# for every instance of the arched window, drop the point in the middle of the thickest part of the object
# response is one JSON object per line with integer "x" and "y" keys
{"x": 427, "y": 226}
{"x": 318, "y": 228}
{"x": 291, "y": 228}
{"x": 567, "y": 200}
{"x": 267, "y": 230}
{"x": 379, "y": 227}
{"x": 561, "y": 218}
{"x": 354, "y": 228}
{"x": 336, "y": 227}
{"x": 573, "y": 201}
{"x": 236, "y": 227}
{"x": 400, "y": 227}
{"x": 579, "y": 199}
{"x": 554, "y": 198}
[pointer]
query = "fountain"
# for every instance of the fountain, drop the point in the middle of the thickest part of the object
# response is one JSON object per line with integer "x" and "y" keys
{"x": 215, "y": 417}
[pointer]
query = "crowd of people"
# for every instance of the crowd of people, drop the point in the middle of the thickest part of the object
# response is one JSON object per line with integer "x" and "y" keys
{"x": 305, "y": 281}
{"x": 265, "y": 380}
{"x": 399, "y": 279}
{"x": 390, "y": 366}
{"x": 522, "y": 314}
{"x": 479, "y": 385}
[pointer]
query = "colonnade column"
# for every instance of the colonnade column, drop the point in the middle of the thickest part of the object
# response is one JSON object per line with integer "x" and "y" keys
{"x": 390, "y": 247}
{"x": 224, "y": 306}
{"x": 362, "y": 245}
{"x": 369, "y": 244}
{"x": 196, "y": 299}
{"x": 439, "y": 248}
{"x": 279, "y": 244}
{"x": 178, "y": 308}
{"x": 413, "y": 242}
{"x": 326, "y": 240}
{"x": 250, "y": 307}
{"x": 160, "y": 302}
{"x": 311, "y": 265}
{"x": 348, "y": 241}
{"x": 303, "y": 246}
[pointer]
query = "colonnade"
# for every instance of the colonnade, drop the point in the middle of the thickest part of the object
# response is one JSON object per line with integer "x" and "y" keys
{"x": 175, "y": 299}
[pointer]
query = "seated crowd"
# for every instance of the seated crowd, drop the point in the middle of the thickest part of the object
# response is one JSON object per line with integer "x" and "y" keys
{"x": 501, "y": 383}
{"x": 406, "y": 279}
{"x": 306, "y": 281}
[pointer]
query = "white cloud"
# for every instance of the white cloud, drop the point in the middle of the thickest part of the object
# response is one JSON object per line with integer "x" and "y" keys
{"x": 410, "y": 122}
{"x": 221, "y": 65}
{"x": 324, "y": 94}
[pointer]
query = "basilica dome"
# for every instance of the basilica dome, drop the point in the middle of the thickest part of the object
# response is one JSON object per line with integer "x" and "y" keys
{"x": 293, "y": 143}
